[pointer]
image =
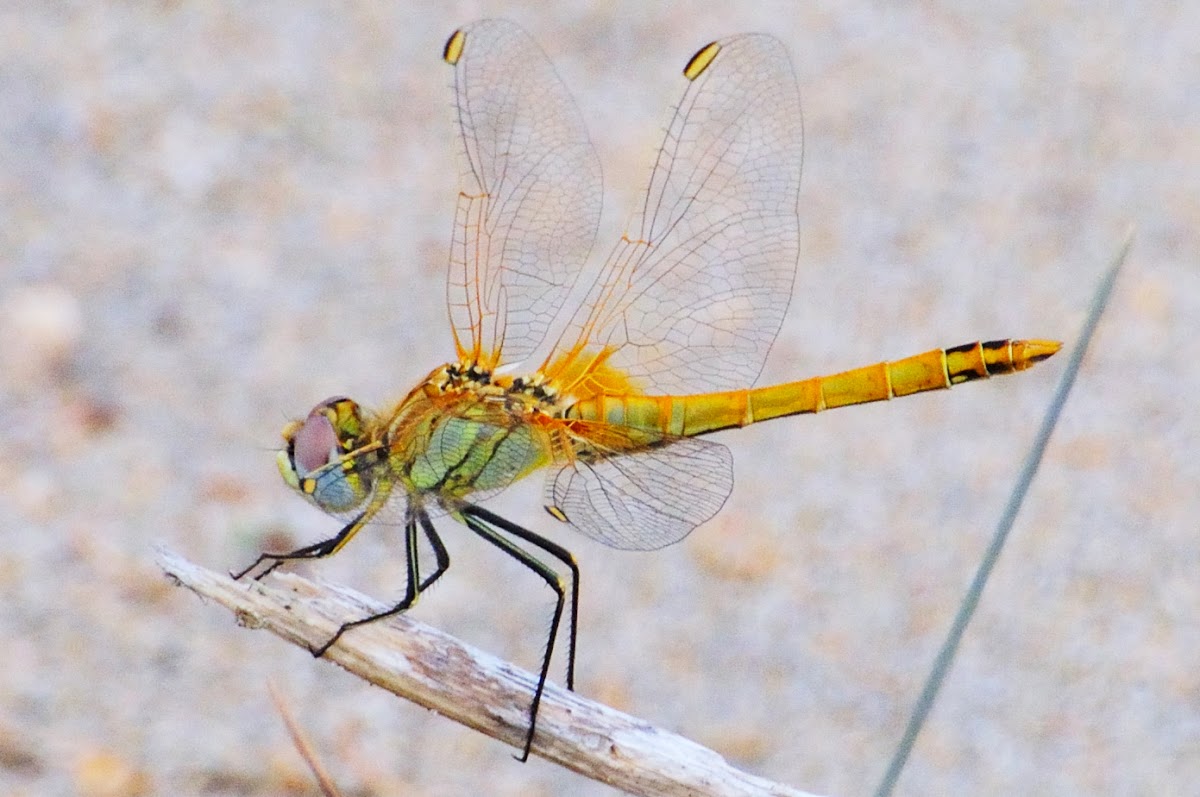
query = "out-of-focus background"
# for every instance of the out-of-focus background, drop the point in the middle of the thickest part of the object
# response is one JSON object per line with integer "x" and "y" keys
{"x": 213, "y": 215}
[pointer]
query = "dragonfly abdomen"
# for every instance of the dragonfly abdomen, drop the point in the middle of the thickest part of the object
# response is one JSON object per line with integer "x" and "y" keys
{"x": 687, "y": 416}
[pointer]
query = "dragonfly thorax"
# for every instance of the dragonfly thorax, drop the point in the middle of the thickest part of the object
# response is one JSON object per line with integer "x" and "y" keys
{"x": 527, "y": 394}
{"x": 467, "y": 430}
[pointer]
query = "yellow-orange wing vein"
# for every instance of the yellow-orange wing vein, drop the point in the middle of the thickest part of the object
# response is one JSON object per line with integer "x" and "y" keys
{"x": 530, "y": 193}
{"x": 693, "y": 294}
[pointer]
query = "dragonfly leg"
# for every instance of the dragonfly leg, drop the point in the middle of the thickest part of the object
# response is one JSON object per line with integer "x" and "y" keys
{"x": 439, "y": 551}
{"x": 318, "y": 550}
{"x": 558, "y": 552}
{"x": 415, "y": 585}
{"x": 492, "y": 528}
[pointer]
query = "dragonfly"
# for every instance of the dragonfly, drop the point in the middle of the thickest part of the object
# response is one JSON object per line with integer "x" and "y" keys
{"x": 615, "y": 397}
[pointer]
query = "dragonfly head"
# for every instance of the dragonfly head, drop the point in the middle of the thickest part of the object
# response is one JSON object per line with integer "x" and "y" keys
{"x": 317, "y": 458}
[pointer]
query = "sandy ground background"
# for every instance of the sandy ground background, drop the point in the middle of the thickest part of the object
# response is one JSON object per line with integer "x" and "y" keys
{"x": 213, "y": 215}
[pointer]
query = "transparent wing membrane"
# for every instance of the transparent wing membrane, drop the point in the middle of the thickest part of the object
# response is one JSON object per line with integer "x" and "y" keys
{"x": 646, "y": 499}
{"x": 530, "y": 193}
{"x": 694, "y": 293}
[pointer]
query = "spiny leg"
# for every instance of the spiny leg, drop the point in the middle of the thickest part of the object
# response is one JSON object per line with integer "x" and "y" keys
{"x": 415, "y": 585}
{"x": 489, "y": 526}
{"x": 558, "y": 552}
{"x": 439, "y": 551}
{"x": 318, "y": 550}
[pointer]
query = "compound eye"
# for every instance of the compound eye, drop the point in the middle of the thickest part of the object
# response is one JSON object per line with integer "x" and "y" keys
{"x": 315, "y": 443}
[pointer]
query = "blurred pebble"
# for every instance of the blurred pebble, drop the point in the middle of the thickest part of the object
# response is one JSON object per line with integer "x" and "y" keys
{"x": 102, "y": 774}
{"x": 44, "y": 323}
{"x": 16, "y": 755}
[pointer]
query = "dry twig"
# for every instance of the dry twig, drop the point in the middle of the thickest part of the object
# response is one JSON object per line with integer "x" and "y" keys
{"x": 439, "y": 672}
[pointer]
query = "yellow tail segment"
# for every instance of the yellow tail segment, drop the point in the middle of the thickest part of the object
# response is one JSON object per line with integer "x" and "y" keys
{"x": 709, "y": 412}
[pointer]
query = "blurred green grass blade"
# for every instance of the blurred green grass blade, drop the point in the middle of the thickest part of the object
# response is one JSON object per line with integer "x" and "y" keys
{"x": 970, "y": 602}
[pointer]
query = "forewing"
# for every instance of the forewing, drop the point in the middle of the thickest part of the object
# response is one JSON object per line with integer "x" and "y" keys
{"x": 693, "y": 295}
{"x": 647, "y": 499}
{"x": 530, "y": 193}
